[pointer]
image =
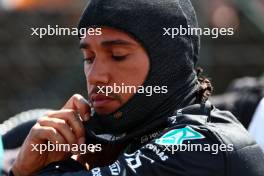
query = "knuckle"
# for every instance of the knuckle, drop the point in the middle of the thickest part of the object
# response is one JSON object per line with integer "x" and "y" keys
{"x": 58, "y": 137}
{"x": 72, "y": 112}
{"x": 41, "y": 120}
{"x": 51, "y": 132}
{"x": 69, "y": 113}
{"x": 75, "y": 115}
{"x": 35, "y": 129}
{"x": 60, "y": 124}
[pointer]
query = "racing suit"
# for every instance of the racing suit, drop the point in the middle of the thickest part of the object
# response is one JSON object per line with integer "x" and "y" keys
{"x": 199, "y": 140}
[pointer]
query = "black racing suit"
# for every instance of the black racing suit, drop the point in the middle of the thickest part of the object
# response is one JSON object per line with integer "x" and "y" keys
{"x": 198, "y": 141}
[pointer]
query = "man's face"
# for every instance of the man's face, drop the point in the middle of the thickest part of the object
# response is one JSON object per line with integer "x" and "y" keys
{"x": 112, "y": 58}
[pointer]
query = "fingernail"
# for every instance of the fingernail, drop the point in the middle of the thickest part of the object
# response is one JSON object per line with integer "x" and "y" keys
{"x": 86, "y": 117}
{"x": 87, "y": 166}
{"x": 48, "y": 113}
{"x": 84, "y": 101}
{"x": 81, "y": 140}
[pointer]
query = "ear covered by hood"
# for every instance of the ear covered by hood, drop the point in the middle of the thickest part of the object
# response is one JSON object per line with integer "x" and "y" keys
{"x": 172, "y": 60}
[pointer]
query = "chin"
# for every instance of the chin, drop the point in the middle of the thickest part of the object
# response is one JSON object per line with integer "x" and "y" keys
{"x": 104, "y": 111}
{"x": 107, "y": 108}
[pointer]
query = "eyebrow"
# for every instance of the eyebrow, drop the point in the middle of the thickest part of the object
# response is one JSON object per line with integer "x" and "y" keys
{"x": 108, "y": 43}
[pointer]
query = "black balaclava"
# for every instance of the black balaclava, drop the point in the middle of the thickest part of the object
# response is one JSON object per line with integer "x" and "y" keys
{"x": 172, "y": 60}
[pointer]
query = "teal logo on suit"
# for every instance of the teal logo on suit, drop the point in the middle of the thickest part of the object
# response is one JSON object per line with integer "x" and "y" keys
{"x": 178, "y": 136}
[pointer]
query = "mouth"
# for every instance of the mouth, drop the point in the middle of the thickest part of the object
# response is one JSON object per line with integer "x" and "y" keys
{"x": 99, "y": 100}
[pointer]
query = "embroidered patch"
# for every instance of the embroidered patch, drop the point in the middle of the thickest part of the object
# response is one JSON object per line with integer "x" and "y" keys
{"x": 178, "y": 136}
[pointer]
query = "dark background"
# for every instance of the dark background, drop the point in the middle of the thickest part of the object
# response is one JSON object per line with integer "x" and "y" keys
{"x": 44, "y": 73}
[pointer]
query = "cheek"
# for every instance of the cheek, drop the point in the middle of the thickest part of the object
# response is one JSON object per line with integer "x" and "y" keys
{"x": 131, "y": 73}
{"x": 138, "y": 71}
{"x": 86, "y": 69}
{"x": 131, "y": 76}
{"x": 87, "y": 73}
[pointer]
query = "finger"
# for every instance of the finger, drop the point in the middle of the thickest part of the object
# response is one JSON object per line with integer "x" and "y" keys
{"x": 72, "y": 118}
{"x": 61, "y": 126}
{"x": 45, "y": 133}
{"x": 79, "y": 103}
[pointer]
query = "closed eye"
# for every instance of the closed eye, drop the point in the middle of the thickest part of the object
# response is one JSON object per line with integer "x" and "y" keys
{"x": 119, "y": 58}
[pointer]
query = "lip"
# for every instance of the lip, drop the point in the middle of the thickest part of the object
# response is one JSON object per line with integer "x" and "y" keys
{"x": 100, "y": 100}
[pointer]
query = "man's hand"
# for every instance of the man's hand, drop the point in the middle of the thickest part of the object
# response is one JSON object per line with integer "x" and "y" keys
{"x": 59, "y": 127}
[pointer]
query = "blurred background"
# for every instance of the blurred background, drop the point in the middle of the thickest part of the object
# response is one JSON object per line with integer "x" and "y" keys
{"x": 44, "y": 73}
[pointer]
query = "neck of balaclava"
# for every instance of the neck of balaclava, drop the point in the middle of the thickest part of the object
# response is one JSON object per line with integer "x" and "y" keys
{"x": 180, "y": 98}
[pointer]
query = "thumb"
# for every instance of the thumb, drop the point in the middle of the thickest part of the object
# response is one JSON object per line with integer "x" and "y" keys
{"x": 79, "y": 103}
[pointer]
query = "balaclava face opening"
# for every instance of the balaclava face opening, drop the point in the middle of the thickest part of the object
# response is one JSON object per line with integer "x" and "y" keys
{"x": 172, "y": 60}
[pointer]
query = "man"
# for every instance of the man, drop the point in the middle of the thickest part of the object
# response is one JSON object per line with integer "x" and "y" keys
{"x": 141, "y": 134}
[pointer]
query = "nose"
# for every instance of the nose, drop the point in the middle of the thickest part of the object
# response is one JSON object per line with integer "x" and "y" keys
{"x": 97, "y": 73}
